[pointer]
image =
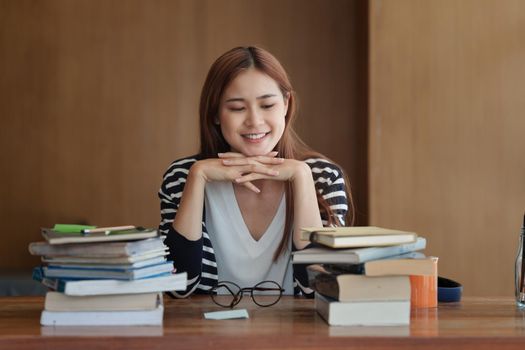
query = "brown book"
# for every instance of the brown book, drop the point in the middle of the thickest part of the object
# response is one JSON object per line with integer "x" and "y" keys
{"x": 350, "y": 287}
{"x": 394, "y": 267}
{"x": 356, "y": 236}
{"x": 423, "y": 277}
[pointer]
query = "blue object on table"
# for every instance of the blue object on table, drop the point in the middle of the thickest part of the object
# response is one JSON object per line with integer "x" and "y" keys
{"x": 449, "y": 290}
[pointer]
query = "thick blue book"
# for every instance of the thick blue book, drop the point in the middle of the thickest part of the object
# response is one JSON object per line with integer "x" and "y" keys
{"x": 92, "y": 272}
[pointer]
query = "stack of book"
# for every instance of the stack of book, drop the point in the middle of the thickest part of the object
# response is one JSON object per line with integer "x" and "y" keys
{"x": 368, "y": 275}
{"x": 104, "y": 277}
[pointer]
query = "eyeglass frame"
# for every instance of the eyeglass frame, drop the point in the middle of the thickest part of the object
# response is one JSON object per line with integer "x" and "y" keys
{"x": 237, "y": 297}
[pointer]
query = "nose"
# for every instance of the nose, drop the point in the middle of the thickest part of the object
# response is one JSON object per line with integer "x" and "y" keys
{"x": 254, "y": 117}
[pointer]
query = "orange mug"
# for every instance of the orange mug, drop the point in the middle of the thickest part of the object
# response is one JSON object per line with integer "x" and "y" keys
{"x": 423, "y": 289}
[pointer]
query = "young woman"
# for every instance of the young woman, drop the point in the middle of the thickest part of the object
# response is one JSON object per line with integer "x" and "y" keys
{"x": 234, "y": 211}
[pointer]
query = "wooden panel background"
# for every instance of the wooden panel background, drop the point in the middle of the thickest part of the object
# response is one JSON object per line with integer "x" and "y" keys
{"x": 447, "y": 143}
{"x": 98, "y": 97}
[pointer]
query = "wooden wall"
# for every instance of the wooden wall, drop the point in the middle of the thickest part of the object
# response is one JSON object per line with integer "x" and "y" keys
{"x": 447, "y": 123}
{"x": 98, "y": 97}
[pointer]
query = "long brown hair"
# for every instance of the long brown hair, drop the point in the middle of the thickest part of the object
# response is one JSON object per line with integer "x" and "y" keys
{"x": 290, "y": 146}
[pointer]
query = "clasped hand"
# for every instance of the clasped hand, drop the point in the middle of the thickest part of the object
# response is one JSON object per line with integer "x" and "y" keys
{"x": 241, "y": 169}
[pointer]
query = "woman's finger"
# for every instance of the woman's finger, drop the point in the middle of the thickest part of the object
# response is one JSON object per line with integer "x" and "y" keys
{"x": 251, "y": 187}
{"x": 251, "y": 177}
{"x": 256, "y": 168}
{"x": 231, "y": 155}
{"x": 237, "y": 161}
{"x": 252, "y": 160}
{"x": 272, "y": 154}
{"x": 269, "y": 160}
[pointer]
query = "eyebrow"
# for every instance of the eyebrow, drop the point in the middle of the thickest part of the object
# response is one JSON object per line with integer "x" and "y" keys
{"x": 240, "y": 99}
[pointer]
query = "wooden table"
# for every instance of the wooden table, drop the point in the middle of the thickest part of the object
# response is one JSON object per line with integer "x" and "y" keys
{"x": 480, "y": 323}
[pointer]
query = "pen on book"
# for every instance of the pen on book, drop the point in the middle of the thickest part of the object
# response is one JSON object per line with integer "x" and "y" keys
{"x": 107, "y": 230}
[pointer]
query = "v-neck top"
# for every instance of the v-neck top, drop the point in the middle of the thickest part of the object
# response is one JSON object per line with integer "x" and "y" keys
{"x": 241, "y": 258}
{"x": 197, "y": 258}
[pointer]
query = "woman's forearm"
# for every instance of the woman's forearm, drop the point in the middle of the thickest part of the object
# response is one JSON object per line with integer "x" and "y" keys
{"x": 188, "y": 220}
{"x": 306, "y": 209}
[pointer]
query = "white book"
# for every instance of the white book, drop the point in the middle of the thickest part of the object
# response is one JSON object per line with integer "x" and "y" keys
{"x": 151, "y": 317}
{"x": 103, "y": 331}
{"x": 356, "y": 236}
{"x": 166, "y": 283}
{"x": 56, "y": 301}
{"x": 322, "y": 255}
{"x": 363, "y": 313}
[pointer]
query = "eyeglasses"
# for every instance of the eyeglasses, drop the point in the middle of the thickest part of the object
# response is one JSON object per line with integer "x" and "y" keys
{"x": 229, "y": 294}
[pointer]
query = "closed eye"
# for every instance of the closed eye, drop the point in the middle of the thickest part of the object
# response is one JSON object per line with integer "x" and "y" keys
{"x": 268, "y": 106}
{"x": 236, "y": 109}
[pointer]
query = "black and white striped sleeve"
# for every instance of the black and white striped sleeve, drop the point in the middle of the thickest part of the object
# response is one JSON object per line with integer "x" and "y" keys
{"x": 330, "y": 183}
{"x": 186, "y": 255}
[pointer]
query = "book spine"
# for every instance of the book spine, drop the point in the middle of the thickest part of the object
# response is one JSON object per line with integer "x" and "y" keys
{"x": 51, "y": 283}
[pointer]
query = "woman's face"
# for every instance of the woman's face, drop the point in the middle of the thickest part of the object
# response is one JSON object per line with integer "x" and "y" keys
{"x": 252, "y": 112}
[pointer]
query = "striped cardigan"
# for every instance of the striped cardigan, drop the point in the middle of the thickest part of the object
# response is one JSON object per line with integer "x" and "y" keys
{"x": 197, "y": 258}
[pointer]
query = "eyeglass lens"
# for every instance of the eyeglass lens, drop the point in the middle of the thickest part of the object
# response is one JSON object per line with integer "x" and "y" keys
{"x": 266, "y": 293}
{"x": 227, "y": 294}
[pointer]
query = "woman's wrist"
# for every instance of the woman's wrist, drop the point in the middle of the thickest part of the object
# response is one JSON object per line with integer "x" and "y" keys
{"x": 197, "y": 174}
{"x": 302, "y": 173}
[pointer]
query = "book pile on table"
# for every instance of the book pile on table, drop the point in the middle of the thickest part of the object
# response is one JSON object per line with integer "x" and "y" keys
{"x": 368, "y": 275}
{"x": 104, "y": 277}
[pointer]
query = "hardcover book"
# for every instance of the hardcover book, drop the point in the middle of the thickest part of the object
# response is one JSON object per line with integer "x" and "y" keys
{"x": 77, "y": 272}
{"x": 53, "y": 237}
{"x": 98, "y": 264}
{"x": 56, "y": 301}
{"x": 98, "y": 250}
{"x": 133, "y": 259}
{"x": 337, "y": 282}
{"x": 148, "y": 317}
{"x": 359, "y": 269}
{"x": 348, "y": 287}
{"x": 325, "y": 255}
{"x": 386, "y": 267}
{"x": 356, "y": 236}
{"x": 165, "y": 283}
{"x": 363, "y": 313}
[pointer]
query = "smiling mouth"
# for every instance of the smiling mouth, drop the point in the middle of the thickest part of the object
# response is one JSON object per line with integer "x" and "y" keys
{"x": 255, "y": 136}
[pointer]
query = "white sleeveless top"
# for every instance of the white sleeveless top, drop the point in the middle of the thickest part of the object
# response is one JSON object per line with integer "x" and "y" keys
{"x": 240, "y": 258}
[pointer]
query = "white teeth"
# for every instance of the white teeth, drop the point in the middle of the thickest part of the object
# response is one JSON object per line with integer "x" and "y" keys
{"x": 255, "y": 136}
